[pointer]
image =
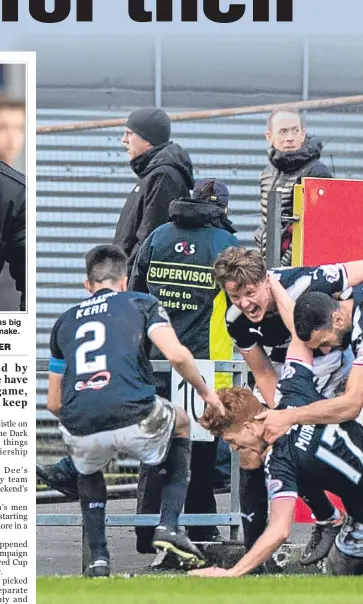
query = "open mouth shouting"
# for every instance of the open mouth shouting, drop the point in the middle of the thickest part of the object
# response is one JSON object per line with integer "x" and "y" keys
{"x": 254, "y": 313}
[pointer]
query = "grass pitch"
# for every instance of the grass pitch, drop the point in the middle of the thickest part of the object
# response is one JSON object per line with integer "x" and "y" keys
{"x": 179, "y": 590}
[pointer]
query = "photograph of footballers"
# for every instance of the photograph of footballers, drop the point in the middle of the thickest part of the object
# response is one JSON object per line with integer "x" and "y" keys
{"x": 199, "y": 383}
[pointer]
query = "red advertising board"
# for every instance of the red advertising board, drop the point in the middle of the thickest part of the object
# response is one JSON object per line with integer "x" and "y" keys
{"x": 331, "y": 222}
{"x": 330, "y": 229}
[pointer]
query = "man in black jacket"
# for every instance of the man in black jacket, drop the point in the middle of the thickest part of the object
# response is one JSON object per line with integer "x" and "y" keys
{"x": 293, "y": 155}
{"x": 175, "y": 265}
{"x": 13, "y": 226}
{"x": 165, "y": 173}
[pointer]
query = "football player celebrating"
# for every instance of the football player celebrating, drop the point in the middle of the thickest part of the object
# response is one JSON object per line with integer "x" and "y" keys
{"x": 330, "y": 456}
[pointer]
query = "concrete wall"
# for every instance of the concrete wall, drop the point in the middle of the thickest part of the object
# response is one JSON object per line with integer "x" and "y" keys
{"x": 122, "y": 70}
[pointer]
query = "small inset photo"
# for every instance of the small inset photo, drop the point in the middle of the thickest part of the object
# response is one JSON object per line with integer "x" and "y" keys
{"x": 13, "y": 239}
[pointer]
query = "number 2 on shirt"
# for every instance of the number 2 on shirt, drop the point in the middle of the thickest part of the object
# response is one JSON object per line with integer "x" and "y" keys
{"x": 99, "y": 362}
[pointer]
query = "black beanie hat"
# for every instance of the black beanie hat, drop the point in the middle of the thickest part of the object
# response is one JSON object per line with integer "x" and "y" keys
{"x": 152, "y": 124}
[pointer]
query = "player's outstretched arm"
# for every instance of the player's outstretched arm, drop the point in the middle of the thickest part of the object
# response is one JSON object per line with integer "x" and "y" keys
{"x": 263, "y": 372}
{"x": 54, "y": 403}
{"x": 334, "y": 410}
{"x": 328, "y": 411}
{"x": 276, "y": 533}
{"x": 285, "y": 305}
{"x": 181, "y": 359}
{"x": 354, "y": 272}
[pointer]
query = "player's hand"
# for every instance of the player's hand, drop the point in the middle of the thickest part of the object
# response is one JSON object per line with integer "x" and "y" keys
{"x": 276, "y": 424}
{"x": 273, "y": 280}
{"x": 211, "y": 398}
{"x": 213, "y": 571}
{"x": 278, "y": 291}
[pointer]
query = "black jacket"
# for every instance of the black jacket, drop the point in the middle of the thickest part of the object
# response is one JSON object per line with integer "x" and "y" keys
{"x": 175, "y": 265}
{"x": 284, "y": 171}
{"x": 13, "y": 226}
{"x": 165, "y": 173}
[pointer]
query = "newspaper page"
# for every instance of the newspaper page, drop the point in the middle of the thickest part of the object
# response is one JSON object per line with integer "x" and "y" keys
{"x": 17, "y": 326}
{"x": 71, "y": 74}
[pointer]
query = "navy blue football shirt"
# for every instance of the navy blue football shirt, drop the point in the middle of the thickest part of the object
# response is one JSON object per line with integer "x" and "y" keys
{"x": 102, "y": 348}
{"x": 315, "y": 456}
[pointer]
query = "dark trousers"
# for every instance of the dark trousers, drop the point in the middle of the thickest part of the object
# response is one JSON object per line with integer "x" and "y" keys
{"x": 200, "y": 497}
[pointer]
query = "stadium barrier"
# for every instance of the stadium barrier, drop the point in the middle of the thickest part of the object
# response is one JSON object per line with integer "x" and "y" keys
{"x": 231, "y": 519}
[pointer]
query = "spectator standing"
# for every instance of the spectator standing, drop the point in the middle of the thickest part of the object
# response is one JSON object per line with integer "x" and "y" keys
{"x": 164, "y": 170}
{"x": 293, "y": 155}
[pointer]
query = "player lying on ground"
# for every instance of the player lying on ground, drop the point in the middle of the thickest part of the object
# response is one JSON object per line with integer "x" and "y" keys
{"x": 101, "y": 388}
{"x": 328, "y": 456}
{"x": 320, "y": 322}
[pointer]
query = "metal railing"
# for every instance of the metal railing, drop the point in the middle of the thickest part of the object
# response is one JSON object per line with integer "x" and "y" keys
{"x": 232, "y": 518}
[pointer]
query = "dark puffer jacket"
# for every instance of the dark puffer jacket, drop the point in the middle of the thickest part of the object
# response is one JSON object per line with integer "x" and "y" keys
{"x": 165, "y": 173}
{"x": 284, "y": 171}
{"x": 175, "y": 265}
{"x": 13, "y": 226}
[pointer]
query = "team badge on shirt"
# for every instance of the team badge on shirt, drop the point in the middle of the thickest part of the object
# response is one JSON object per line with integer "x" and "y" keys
{"x": 287, "y": 372}
{"x": 331, "y": 272}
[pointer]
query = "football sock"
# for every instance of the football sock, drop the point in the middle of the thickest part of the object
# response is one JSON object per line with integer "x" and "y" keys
{"x": 320, "y": 504}
{"x": 176, "y": 482}
{"x": 92, "y": 496}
